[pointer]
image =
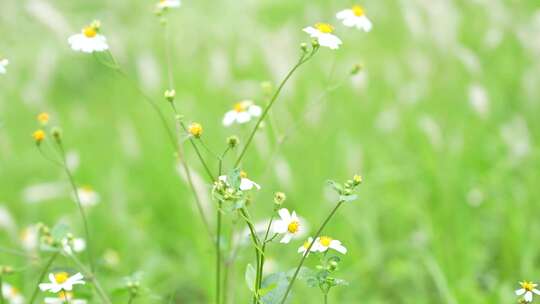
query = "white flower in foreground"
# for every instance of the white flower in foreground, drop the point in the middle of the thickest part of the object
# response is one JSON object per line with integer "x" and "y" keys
{"x": 245, "y": 183}
{"x": 304, "y": 248}
{"x": 88, "y": 196}
{"x": 355, "y": 17}
{"x": 3, "y": 64}
{"x": 89, "y": 40}
{"x": 75, "y": 245}
{"x": 323, "y": 33}
{"x": 324, "y": 243}
{"x": 163, "y": 4}
{"x": 242, "y": 112}
{"x": 527, "y": 289}
{"x": 61, "y": 281}
{"x": 11, "y": 294}
{"x": 289, "y": 225}
{"x": 64, "y": 297}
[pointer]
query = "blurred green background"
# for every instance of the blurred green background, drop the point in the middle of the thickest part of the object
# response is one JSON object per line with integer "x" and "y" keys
{"x": 442, "y": 122}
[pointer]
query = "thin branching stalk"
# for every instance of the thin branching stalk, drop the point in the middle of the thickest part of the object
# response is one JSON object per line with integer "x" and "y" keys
{"x": 261, "y": 267}
{"x": 303, "y": 59}
{"x": 92, "y": 278}
{"x": 79, "y": 205}
{"x": 218, "y": 252}
{"x": 293, "y": 279}
{"x": 256, "y": 243}
{"x": 42, "y": 275}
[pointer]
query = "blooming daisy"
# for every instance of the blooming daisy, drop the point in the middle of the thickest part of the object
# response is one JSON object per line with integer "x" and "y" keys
{"x": 61, "y": 281}
{"x": 164, "y": 4}
{"x": 325, "y": 242}
{"x": 11, "y": 294}
{"x": 355, "y": 17}
{"x": 75, "y": 245}
{"x": 242, "y": 112}
{"x": 89, "y": 40}
{"x": 323, "y": 33}
{"x": 88, "y": 196}
{"x": 289, "y": 225}
{"x": 3, "y": 64}
{"x": 304, "y": 248}
{"x": 64, "y": 297}
{"x": 245, "y": 183}
{"x": 527, "y": 289}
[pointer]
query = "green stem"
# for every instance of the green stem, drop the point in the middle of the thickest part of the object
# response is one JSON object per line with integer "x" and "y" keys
{"x": 256, "y": 243}
{"x": 303, "y": 59}
{"x": 218, "y": 253}
{"x": 293, "y": 279}
{"x": 42, "y": 276}
{"x": 261, "y": 267}
{"x": 326, "y": 298}
{"x": 79, "y": 204}
{"x": 92, "y": 278}
{"x": 131, "y": 298}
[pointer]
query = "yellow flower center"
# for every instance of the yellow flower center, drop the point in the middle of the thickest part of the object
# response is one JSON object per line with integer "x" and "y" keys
{"x": 65, "y": 295}
{"x": 528, "y": 286}
{"x": 306, "y": 245}
{"x": 14, "y": 292}
{"x": 293, "y": 227}
{"x": 358, "y": 10}
{"x": 243, "y": 174}
{"x": 240, "y": 107}
{"x": 61, "y": 277}
{"x": 43, "y": 118}
{"x": 324, "y": 27}
{"x": 90, "y": 31}
{"x": 39, "y": 136}
{"x": 325, "y": 241}
{"x": 195, "y": 129}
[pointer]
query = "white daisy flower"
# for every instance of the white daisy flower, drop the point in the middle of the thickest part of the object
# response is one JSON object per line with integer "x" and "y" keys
{"x": 289, "y": 225}
{"x": 61, "y": 281}
{"x": 323, "y": 33}
{"x": 64, "y": 297}
{"x": 245, "y": 183}
{"x": 527, "y": 290}
{"x": 3, "y": 64}
{"x": 163, "y": 4}
{"x": 11, "y": 294}
{"x": 88, "y": 196}
{"x": 242, "y": 112}
{"x": 355, "y": 17}
{"x": 304, "y": 248}
{"x": 75, "y": 245}
{"x": 324, "y": 243}
{"x": 89, "y": 40}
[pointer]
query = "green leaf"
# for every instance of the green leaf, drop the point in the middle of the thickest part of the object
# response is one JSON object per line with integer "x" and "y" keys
{"x": 336, "y": 186}
{"x": 277, "y": 284}
{"x": 250, "y": 277}
{"x": 233, "y": 178}
{"x": 59, "y": 232}
{"x": 267, "y": 289}
{"x": 348, "y": 198}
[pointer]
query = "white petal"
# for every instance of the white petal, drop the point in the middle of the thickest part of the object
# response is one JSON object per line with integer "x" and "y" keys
{"x": 528, "y": 296}
{"x": 336, "y": 245}
{"x": 521, "y": 291}
{"x": 286, "y": 238}
{"x": 229, "y": 118}
{"x": 284, "y": 214}
{"x": 294, "y": 217}
{"x": 364, "y": 24}
{"x": 255, "y": 110}
{"x": 536, "y": 291}
{"x": 345, "y": 14}
{"x": 313, "y": 32}
{"x": 280, "y": 226}
{"x": 330, "y": 41}
{"x": 243, "y": 117}
{"x": 45, "y": 286}
{"x": 245, "y": 184}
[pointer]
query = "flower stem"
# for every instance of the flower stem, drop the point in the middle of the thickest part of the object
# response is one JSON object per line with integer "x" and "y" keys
{"x": 42, "y": 276}
{"x": 79, "y": 204}
{"x": 303, "y": 59}
{"x": 261, "y": 267}
{"x": 326, "y": 298}
{"x": 256, "y": 243}
{"x": 293, "y": 279}
{"x": 92, "y": 278}
{"x": 218, "y": 253}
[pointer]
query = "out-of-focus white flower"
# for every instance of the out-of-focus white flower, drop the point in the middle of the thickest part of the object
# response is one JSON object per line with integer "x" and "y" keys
{"x": 527, "y": 290}
{"x": 323, "y": 32}
{"x": 324, "y": 243}
{"x": 11, "y": 294}
{"x": 304, "y": 248}
{"x": 163, "y": 4}
{"x": 241, "y": 113}
{"x": 74, "y": 245}
{"x": 478, "y": 99}
{"x": 29, "y": 238}
{"x": 355, "y": 17}
{"x": 61, "y": 281}
{"x": 515, "y": 134}
{"x": 89, "y": 40}
{"x": 88, "y": 196}
{"x": 245, "y": 183}
{"x": 111, "y": 258}
{"x": 6, "y": 220}
{"x": 3, "y": 64}
{"x": 289, "y": 225}
{"x": 64, "y": 297}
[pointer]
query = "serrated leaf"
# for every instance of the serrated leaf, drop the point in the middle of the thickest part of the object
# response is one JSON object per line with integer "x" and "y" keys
{"x": 250, "y": 277}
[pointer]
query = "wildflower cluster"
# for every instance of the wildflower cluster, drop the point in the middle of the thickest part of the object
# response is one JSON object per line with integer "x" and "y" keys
{"x": 526, "y": 291}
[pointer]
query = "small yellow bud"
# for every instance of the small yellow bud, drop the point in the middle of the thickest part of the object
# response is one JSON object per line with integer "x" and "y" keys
{"x": 357, "y": 179}
{"x": 38, "y": 136}
{"x": 170, "y": 95}
{"x": 195, "y": 129}
{"x": 43, "y": 118}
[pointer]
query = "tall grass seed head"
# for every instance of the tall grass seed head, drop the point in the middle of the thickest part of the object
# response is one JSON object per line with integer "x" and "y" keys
{"x": 39, "y": 136}
{"x": 195, "y": 129}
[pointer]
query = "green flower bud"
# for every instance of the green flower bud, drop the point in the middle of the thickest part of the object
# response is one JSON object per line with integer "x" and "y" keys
{"x": 232, "y": 141}
{"x": 170, "y": 95}
{"x": 279, "y": 198}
